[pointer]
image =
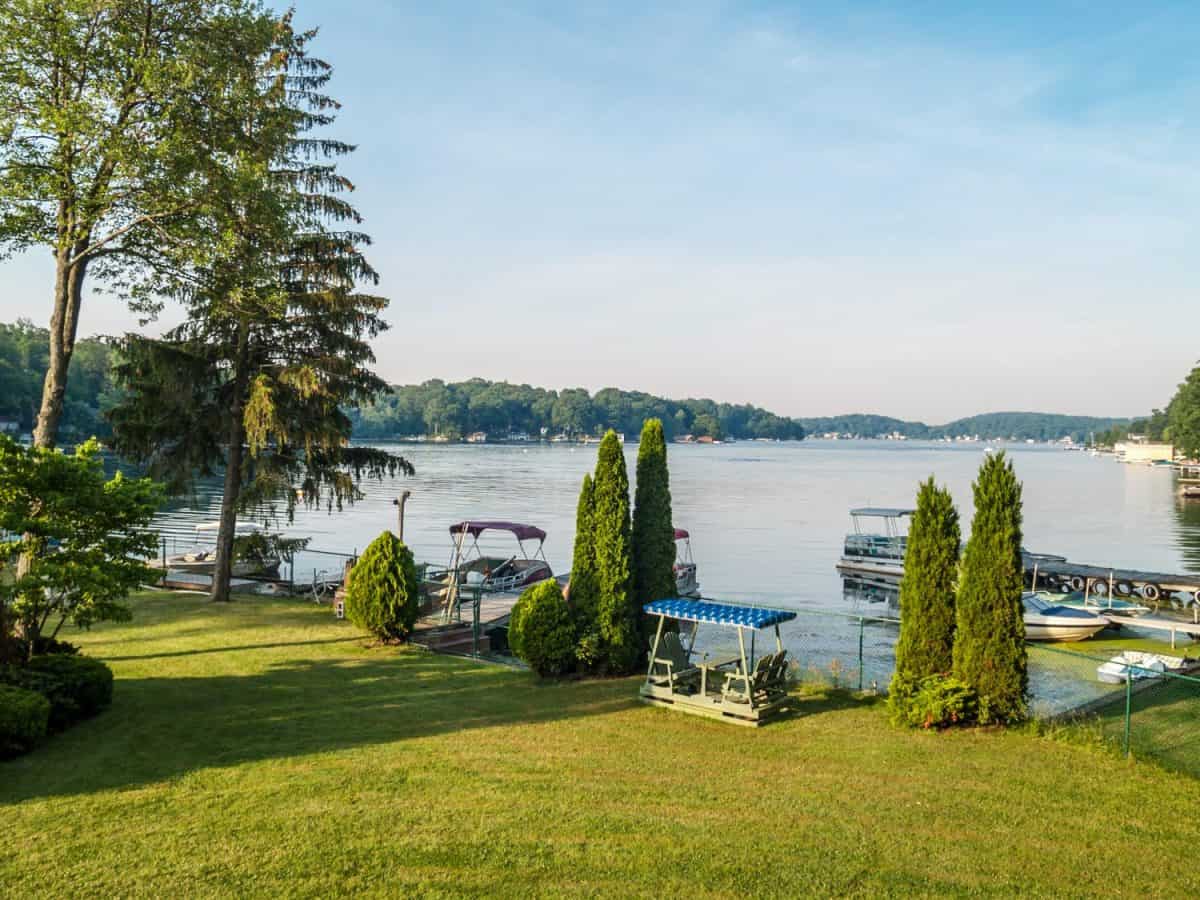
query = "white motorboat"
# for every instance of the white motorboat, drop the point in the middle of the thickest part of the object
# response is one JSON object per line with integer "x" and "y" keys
{"x": 1136, "y": 666}
{"x": 252, "y": 557}
{"x": 1046, "y": 621}
{"x": 686, "y": 582}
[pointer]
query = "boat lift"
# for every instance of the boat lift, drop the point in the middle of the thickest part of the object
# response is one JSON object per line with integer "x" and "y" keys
{"x": 741, "y": 689}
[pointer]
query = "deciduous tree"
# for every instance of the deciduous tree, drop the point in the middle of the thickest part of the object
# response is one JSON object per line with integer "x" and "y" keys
{"x": 85, "y": 536}
{"x": 111, "y": 115}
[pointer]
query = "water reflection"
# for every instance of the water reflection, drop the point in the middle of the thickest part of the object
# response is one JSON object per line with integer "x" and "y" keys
{"x": 1187, "y": 532}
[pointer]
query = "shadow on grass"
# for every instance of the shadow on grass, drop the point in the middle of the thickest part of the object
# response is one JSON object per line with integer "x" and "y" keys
{"x": 163, "y": 728}
{"x": 244, "y": 647}
{"x": 811, "y": 700}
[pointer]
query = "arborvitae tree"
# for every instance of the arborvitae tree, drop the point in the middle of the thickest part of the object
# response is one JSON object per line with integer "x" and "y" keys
{"x": 615, "y": 607}
{"x": 926, "y": 645}
{"x": 382, "y": 592}
{"x": 582, "y": 591}
{"x": 653, "y": 531}
{"x": 989, "y": 642}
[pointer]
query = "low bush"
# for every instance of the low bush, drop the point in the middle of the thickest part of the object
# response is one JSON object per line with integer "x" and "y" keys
{"x": 24, "y": 716}
{"x": 382, "y": 593}
{"x": 76, "y": 686}
{"x": 936, "y": 701}
{"x": 542, "y": 631}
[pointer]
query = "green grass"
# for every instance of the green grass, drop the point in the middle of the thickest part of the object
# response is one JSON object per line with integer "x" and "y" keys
{"x": 260, "y": 749}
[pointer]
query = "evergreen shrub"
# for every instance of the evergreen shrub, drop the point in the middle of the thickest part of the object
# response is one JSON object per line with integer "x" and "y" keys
{"x": 926, "y": 644}
{"x": 542, "y": 630}
{"x": 616, "y": 608}
{"x": 989, "y": 642}
{"x": 76, "y": 687}
{"x": 24, "y": 716}
{"x": 935, "y": 701}
{"x": 382, "y": 591}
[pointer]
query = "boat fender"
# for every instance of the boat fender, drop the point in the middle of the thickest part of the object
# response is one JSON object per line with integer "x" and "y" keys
{"x": 1099, "y": 588}
{"x": 1124, "y": 588}
{"x": 1150, "y": 591}
{"x": 1196, "y": 598}
{"x": 1077, "y": 583}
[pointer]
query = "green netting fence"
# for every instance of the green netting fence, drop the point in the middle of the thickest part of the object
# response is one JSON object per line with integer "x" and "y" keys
{"x": 1146, "y": 714}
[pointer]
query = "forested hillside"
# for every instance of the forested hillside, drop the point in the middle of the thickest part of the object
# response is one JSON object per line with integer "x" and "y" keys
{"x": 500, "y": 408}
{"x": 457, "y": 409}
{"x": 1019, "y": 425}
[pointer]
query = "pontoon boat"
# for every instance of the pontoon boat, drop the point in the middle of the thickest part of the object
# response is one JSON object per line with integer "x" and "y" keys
{"x": 471, "y": 568}
{"x": 877, "y": 557}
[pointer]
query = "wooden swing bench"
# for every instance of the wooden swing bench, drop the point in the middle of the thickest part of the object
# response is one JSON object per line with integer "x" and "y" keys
{"x": 740, "y": 690}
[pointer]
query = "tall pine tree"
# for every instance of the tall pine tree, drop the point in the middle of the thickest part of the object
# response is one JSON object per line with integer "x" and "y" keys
{"x": 275, "y": 343}
{"x": 989, "y": 643}
{"x": 653, "y": 530}
{"x": 926, "y": 645}
{"x": 615, "y": 607}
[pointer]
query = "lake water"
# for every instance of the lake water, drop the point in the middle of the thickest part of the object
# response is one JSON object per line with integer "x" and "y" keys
{"x": 767, "y": 520}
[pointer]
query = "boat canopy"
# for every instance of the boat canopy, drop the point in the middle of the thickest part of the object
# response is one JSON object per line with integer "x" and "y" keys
{"x": 882, "y": 512}
{"x": 522, "y": 532}
{"x": 681, "y": 534}
{"x": 718, "y": 613}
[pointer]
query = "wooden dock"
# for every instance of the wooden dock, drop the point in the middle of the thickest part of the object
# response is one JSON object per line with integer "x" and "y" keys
{"x": 1059, "y": 573}
{"x": 460, "y": 635}
{"x": 1157, "y": 623}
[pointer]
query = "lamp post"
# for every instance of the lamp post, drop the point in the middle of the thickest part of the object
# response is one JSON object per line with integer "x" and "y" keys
{"x": 399, "y": 504}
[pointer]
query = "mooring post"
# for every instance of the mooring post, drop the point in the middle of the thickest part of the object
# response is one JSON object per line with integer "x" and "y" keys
{"x": 860, "y": 653}
{"x": 1128, "y": 704}
{"x": 475, "y": 623}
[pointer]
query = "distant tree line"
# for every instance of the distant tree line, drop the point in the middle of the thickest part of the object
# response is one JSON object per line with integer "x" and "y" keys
{"x": 1021, "y": 426}
{"x": 499, "y": 408}
{"x": 24, "y": 355}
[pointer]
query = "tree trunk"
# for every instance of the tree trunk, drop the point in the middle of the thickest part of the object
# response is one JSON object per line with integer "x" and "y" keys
{"x": 223, "y": 566}
{"x": 64, "y": 322}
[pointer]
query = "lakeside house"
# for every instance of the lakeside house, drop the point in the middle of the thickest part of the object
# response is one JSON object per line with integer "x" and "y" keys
{"x": 1144, "y": 451}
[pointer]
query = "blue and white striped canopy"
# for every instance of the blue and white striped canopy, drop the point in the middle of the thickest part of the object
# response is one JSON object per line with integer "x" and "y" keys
{"x": 718, "y": 613}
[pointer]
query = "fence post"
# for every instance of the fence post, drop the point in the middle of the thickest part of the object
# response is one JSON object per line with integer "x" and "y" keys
{"x": 475, "y": 623}
{"x": 860, "y": 654}
{"x": 1128, "y": 704}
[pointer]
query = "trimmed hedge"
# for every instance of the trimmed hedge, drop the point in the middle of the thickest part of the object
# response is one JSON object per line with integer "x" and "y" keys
{"x": 382, "y": 592}
{"x": 24, "y": 716}
{"x": 77, "y": 687}
{"x": 542, "y": 630}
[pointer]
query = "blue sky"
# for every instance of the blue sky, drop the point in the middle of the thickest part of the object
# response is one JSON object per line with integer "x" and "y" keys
{"x": 920, "y": 209}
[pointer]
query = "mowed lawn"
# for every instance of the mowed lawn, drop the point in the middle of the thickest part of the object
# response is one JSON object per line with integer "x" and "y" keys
{"x": 261, "y": 748}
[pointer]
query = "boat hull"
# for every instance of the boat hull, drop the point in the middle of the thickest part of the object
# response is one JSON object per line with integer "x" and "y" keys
{"x": 1052, "y": 629}
{"x": 240, "y": 569}
{"x": 878, "y": 570}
